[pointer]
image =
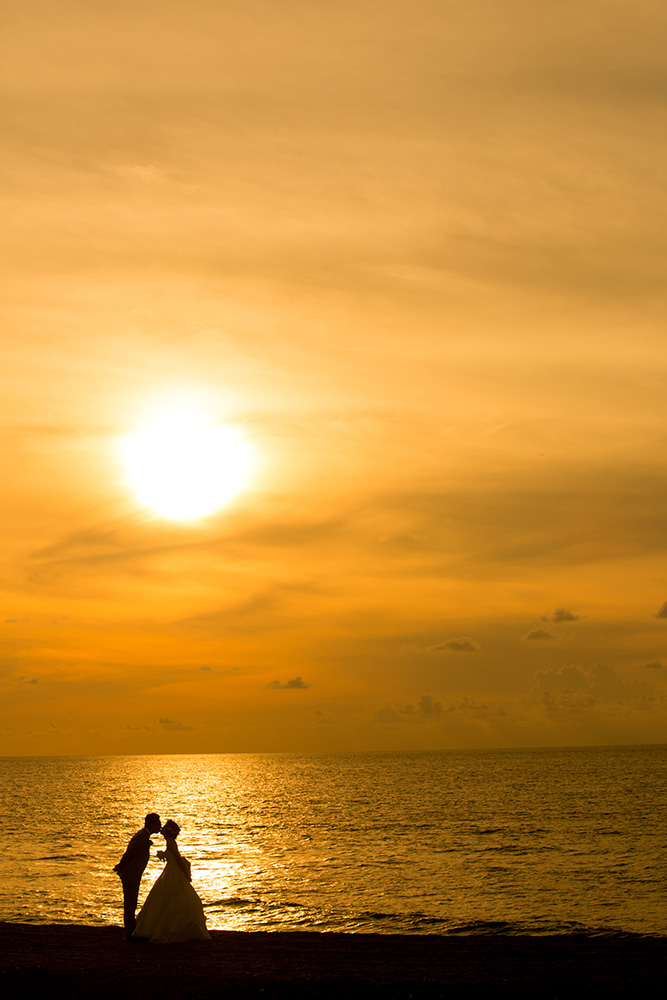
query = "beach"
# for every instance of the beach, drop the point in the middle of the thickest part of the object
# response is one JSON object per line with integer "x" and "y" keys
{"x": 77, "y": 961}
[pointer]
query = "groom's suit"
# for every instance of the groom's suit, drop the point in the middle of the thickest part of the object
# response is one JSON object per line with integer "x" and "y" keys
{"x": 130, "y": 868}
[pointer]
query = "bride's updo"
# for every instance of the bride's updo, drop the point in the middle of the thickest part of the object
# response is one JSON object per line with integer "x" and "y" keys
{"x": 171, "y": 829}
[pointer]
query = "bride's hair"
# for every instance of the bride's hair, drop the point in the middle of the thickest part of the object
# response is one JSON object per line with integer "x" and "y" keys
{"x": 171, "y": 828}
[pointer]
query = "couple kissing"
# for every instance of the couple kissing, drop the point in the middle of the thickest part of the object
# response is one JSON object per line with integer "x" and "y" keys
{"x": 172, "y": 911}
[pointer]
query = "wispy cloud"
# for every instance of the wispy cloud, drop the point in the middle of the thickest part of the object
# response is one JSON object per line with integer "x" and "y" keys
{"x": 172, "y": 726}
{"x": 537, "y": 635}
{"x": 296, "y": 684}
{"x": 464, "y": 644}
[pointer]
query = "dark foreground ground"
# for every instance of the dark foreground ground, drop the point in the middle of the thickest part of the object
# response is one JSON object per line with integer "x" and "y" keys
{"x": 97, "y": 963}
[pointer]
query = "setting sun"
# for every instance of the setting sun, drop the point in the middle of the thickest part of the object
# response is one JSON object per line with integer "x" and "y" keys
{"x": 183, "y": 466}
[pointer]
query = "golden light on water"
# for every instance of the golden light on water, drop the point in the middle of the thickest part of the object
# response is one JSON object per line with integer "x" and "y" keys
{"x": 183, "y": 466}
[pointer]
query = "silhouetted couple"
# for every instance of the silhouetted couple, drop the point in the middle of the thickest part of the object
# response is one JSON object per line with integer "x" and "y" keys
{"x": 172, "y": 910}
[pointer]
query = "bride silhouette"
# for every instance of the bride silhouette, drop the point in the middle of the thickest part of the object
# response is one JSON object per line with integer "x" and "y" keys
{"x": 172, "y": 910}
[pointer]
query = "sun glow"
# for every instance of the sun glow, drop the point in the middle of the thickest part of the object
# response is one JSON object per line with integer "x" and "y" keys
{"x": 183, "y": 466}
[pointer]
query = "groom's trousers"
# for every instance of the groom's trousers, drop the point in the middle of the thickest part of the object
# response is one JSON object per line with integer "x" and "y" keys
{"x": 129, "y": 869}
{"x": 130, "y": 897}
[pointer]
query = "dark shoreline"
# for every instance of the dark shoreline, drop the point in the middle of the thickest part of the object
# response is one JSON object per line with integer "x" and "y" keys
{"x": 72, "y": 961}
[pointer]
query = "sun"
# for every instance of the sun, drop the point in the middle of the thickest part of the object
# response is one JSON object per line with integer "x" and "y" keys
{"x": 183, "y": 466}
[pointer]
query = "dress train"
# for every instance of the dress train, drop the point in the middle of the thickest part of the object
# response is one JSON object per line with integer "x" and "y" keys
{"x": 172, "y": 911}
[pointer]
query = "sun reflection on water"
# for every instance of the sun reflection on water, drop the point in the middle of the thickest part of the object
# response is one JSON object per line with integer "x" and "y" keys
{"x": 384, "y": 842}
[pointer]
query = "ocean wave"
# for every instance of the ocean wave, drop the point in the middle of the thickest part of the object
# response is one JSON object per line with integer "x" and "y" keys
{"x": 242, "y": 903}
{"x": 231, "y": 901}
{"x": 530, "y": 928}
{"x": 64, "y": 857}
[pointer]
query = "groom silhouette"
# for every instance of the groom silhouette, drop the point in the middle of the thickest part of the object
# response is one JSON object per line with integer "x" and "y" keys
{"x": 131, "y": 867}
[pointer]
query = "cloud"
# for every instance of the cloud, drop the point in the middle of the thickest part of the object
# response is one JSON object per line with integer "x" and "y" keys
{"x": 429, "y": 711}
{"x": 561, "y": 615}
{"x": 581, "y": 688}
{"x": 464, "y": 644}
{"x": 662, "y": 613}
{"x": 52, "y": 731}
{"x": 323, "y": 719}
{"x": 172, "y": 726}
{"x": 387, "y": 715}
{"x": 525, "y": 526}
{"x": 104, "y": 551}
{"x": 426, "y": 710}
{"x": 290, "y": 535}
{"x": 260, "y": 611}
{"x": 537, "y": 635}
{"x": 478, "y": 710}
{"x": 296, "y": 684}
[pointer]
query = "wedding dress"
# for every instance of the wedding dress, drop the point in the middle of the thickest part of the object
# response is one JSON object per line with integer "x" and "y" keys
{"x": 172, "y": 911}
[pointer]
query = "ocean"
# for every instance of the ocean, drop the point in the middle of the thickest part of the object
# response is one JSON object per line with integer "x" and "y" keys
{"x": 541, "y": 841}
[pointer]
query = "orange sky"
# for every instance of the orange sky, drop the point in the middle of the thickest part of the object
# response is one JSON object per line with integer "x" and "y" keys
{"x": 416, "y": 250}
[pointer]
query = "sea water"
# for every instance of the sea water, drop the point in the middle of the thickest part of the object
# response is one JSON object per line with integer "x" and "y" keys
{"x": 492, "y": 841}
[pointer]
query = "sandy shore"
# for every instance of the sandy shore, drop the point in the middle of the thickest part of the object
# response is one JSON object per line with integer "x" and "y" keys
{"x": 59, "y": 961}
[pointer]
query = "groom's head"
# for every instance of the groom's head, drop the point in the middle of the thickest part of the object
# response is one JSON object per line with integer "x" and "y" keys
{"x": 152, "y": 823}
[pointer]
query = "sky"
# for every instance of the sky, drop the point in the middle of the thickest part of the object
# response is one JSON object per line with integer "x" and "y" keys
{"x": 414, "y": 251}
